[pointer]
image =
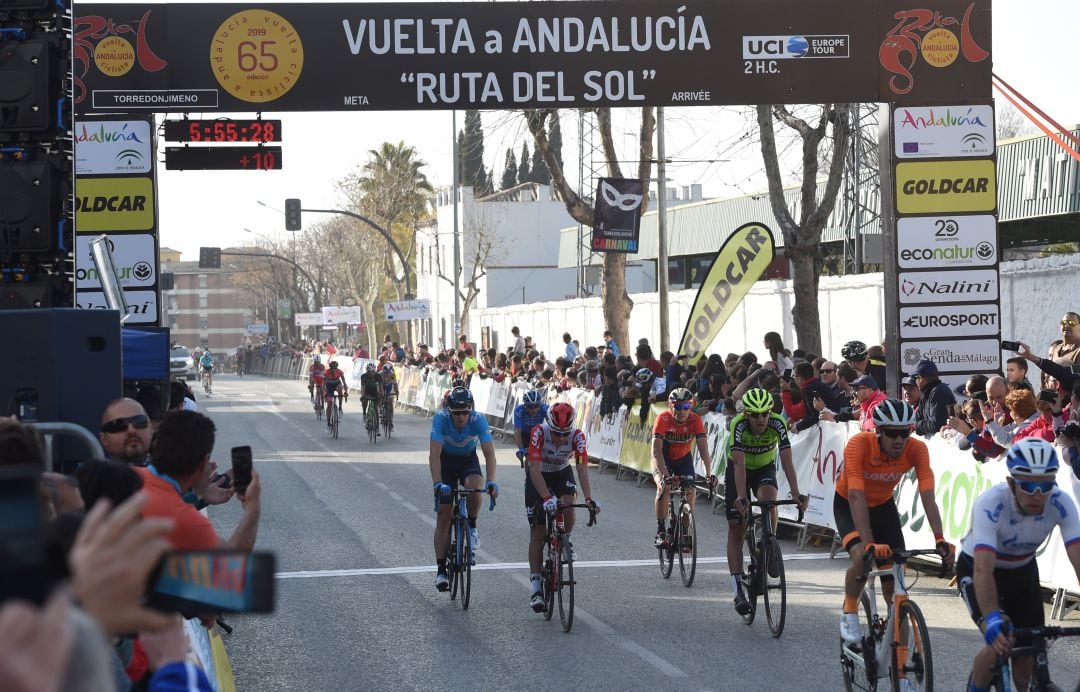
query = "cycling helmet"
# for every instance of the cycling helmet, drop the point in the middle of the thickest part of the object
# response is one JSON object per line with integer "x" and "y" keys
{"x": 388, "y": 368}
{"x": 459, "y": 399}
{"x": 757, "y": 400}
{"x": 531, "y": 398}
{"x": 370, "y": 367}
{"x": 893, "y": 413}
{"x": 560, "y": 418}
{"x": 1032, "y": 456}
{"x": 333, "y": 365}
{"x": 680, "y": 395}
{"x": 458, "y": 384}
{"x": 316, "y": 360}
{"x": 854, "y": 350}
{"x": 643, "y": 376}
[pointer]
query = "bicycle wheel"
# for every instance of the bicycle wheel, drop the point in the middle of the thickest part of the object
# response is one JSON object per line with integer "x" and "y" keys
{"x": 372, "y": 424}
{"x": 687, "y": 545}
{"x": 335, "y": 420}
{"x": 548, "y": 581}
{"x": 386, "y": 420}
{"x": 318, "y": 408}
{"x": 465, "y": 564}
{"x": 667, "y": 555}
{"x": 750, "y": 580}
{"x": 774, "y": 595}
{"x": 912, "y": 660}
{"x": 453, "y": 559}
{"x": 566, "y": 592}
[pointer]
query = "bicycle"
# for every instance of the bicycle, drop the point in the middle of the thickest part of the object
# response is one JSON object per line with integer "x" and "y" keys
{"x": 320, "y": 405}
{"x": 1036, "y": 642}
{"x": 681, "y": 530}
{"x": 207, "y": 382}
{"x": 557, "y": 574}
{"x": 765, "y": 553}
{"x": 460, "y": 558}
{"x": 387, "y": 416}
{"x": 333, "y": 416}
{"x": 371, "y": 421}
{"x": 906, "y": 654}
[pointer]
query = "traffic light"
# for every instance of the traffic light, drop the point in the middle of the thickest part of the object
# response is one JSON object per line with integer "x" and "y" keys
{"x": 292, "y": 214}
{"x": 209, "y": 258}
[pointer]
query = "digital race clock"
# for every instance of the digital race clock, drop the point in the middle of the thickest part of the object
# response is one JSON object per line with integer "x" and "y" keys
{"x": 224, "y": 130}
{"x": 236, "y": 158}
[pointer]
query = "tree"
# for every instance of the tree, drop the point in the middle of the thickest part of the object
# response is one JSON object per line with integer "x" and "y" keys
{"x": 616, "y": 302}
{"x": 538, "y": 172}
{"x": 509, "y": 176}
{"x": 471, "y": 148}
{"x": 1011, "y": 122}
{"x": 523, "y": 164}
{"x": 802, "y": 239}
{"x": 556, "y": 138}
{"x": 481, "y": 226}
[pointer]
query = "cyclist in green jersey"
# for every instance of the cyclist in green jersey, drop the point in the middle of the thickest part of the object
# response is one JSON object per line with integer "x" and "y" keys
{"x": 754, "y": 436}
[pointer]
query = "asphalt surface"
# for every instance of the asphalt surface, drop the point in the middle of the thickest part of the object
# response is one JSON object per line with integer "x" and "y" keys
{"x": 351, "y": 524}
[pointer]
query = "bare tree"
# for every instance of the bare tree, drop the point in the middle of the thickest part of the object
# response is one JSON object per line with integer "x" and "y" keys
{"x": 616, "y": 302}
{"x": 802, "y": 238}
{"x": 1011, "y": 122}
{"x": 481, "y": 225}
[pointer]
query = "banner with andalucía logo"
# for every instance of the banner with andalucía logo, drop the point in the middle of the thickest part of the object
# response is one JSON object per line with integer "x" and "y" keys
{"x": 740, "y": 262}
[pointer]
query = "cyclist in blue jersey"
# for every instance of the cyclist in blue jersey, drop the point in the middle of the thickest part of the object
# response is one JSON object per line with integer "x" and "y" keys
{"x": 455, "y": 433}
{"x": 530, "y": 413}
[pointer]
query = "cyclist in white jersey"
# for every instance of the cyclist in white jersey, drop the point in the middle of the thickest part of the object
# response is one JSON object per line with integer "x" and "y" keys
{"x": 550, "y": 483}
{"x": 997, "y": 574}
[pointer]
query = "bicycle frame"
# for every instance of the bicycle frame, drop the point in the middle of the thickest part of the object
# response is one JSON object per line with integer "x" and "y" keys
{"x": 1039, "y": 638}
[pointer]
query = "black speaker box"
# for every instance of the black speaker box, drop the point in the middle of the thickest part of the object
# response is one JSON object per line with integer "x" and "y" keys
{"x": 66, "y": 364}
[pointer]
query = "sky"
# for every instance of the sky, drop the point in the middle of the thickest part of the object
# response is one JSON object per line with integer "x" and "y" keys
{"x": 1031, "y": 50}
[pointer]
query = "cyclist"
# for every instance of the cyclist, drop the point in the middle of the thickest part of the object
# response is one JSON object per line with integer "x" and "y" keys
{"x": 240, "y": 361}
{"x": 315, "y": 376}
{"x": 858, "y": 356}
{"x": 863, "y": 507}
{"x": 550, "y": 483}
{"x": 996, "y": 573}
{"x": 755, "y": 436}
{"x": 370, "y": 389}
{"x": 206, "y": 362}
{"x": 454, "y": 384}
{"x": 675, "y": 433}
{"x": 530, "y": 413}
{"x": 388, "y": 387}
{"x": 455, "y": 433}
{"x": 333, "y": 383}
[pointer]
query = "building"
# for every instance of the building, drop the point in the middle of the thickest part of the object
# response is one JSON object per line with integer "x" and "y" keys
{"x": 202, "y": 308}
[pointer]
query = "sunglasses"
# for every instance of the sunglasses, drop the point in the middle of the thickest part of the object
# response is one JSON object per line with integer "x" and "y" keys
{"x": 901, "y": 433}
{"x": 827, "y": 371}
{"x": 682, "y": 407}
{"x": 460, "y": 413}
{"x": 763, "y": 414}
{"x": 1032, "y": 487}
{"x": 119, "y": 425}
{"x": 1068, "y": 323}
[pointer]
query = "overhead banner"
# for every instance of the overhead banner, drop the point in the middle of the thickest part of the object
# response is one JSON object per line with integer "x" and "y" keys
{"x": 398, "y": 310}
{"x": 336, "y": 314}
{"x": 742, "y": 259}
{"x": 308, "y": 319}
{"x": 617, "y": 219}
{"x": 195, "y": 57}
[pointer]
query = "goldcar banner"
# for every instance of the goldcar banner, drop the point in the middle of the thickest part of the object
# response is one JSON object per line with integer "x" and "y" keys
{"x": 743, "y": 258}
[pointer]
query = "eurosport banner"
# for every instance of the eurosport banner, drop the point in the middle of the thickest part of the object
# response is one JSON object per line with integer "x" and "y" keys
{"x": 742, "y": 259}
{"x": 617, "y": 221}
{"x": 195, "y": 57}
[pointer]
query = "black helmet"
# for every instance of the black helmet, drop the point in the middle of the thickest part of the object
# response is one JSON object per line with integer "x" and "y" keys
{"x": 854, "y": 350}
{"x": 458, "y": 384}
{"x": 460, "y": 399}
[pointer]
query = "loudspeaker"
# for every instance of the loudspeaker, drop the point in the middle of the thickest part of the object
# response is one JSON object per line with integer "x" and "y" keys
{"x": 64, "y": 362}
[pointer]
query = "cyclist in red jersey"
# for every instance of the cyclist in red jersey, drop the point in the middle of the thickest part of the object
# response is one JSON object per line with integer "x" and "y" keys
{"x": 675, "y": 434}
{"x": 315, "y": 376}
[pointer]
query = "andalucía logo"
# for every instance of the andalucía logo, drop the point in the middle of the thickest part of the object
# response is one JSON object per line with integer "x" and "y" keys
{"x": 101, "y": 134}
{"x": 949, "y": 118}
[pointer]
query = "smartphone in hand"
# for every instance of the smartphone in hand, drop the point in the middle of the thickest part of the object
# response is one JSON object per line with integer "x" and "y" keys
{"x": 193, "y": 583}
{"x": 241, "y": 468}
{"x": 786, "y": 375}
{"x": 1010, "y": 346}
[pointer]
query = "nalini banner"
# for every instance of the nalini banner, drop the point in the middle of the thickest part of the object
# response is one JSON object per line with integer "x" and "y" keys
{"x": 617, "y": 221}
{"x": 742, "y": 259}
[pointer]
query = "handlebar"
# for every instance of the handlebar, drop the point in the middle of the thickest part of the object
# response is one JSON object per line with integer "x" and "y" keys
{"x": 1048, "y": 632}
{"x": 769, "y": 504}
{"x": 902, "y": 557}
{"x": 455, "y": 492}
{"x": 592, "y": 512}
{"x": 700, "y": 483}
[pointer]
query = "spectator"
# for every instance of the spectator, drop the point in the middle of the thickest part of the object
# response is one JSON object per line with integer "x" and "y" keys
{"x": 469, "y": 364}
{"x": 645, "y": 359}
{"x": 609, "y": 343}
{"x": 111, "y": 480}
{"x": 150, "y": 397}
{"x": 179, "y": 461}
{"x": 1056, "y": 371}
{"x": 592, "y": 375}
{"x": 777, "y": 353}
{"x": 996, "y": 390}
{"x": 20, "y": 444}
{"x": 912, "y": 393}
{"x": 868, "y": 395}
{"x": 845, "y": 375}
{"x": 974, "y": 385}
{"x": 519, "y": 343}
{"x": 1021, "y": 406}
{"x": 936, "y": 397}
{"x": 827, "y": 371}
{"x": 1069, "y": 435}
{"x": 1016, "y": 369}
{"x": 811, "y": 388}
{"x": 125, "y": 432}
{"x": 1066, "y": 350}
{"x": 858, "y": 357}
{"x": 571, "y": 352}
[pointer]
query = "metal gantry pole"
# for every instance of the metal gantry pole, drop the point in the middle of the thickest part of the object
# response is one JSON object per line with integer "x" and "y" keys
{"x": 457, "y": 241}
{"x": 661, "y": 231}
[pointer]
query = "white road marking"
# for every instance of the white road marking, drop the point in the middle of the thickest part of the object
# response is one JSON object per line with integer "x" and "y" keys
{"x": 394, "y": 496}
{"x": 411, "y": 507}
{"x": 494, "y": 566}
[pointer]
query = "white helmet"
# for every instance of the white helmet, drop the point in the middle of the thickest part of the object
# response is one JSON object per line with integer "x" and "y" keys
{"x": 1032, "y": 456}
{"x": 893, "y": 413}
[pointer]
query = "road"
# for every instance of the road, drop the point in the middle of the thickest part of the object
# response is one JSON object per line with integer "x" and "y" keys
{"x": 351, "y": 524}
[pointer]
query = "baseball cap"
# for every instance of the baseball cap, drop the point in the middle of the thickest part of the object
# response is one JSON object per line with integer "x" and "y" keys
{"x": 865, "y": 381}
{"x": 926, "y": 368}
{"x": 909, "y": 381}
